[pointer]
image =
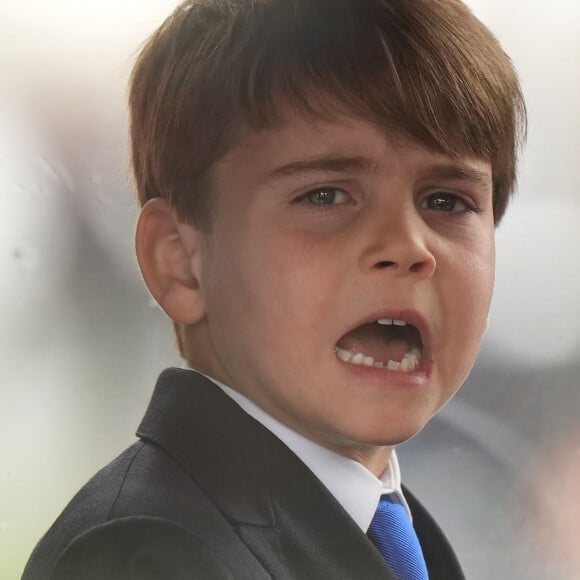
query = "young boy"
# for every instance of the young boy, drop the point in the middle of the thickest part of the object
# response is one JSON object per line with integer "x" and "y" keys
{"x": 320, "y": 182}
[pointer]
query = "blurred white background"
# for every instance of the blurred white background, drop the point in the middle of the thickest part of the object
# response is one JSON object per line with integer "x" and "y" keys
{"x": 82, "y": 345}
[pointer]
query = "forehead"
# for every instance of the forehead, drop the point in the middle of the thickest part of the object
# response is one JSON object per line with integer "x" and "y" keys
{"x": 299, "y": 144}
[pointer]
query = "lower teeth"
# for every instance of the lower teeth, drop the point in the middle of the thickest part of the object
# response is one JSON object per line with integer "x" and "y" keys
{"x": 409, "y": 363}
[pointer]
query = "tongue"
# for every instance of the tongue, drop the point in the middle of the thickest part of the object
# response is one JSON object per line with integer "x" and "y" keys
{"x": 372, "y": 340}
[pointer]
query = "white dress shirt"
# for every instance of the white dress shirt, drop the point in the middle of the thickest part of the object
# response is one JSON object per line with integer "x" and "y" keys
{"x": 355, "y": 488}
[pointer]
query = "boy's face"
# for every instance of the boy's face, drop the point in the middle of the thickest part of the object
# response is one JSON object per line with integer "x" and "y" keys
{"x": 319, "y": 229}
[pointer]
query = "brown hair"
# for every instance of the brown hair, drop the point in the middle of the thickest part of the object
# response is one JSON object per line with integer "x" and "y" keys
{"x": 426, "y": 68}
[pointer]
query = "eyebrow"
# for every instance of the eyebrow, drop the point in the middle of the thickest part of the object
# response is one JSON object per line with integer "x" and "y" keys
{"x": 325, "y": 163}
{"x": 460, "y": 172}
{"x": 452, "y": 170}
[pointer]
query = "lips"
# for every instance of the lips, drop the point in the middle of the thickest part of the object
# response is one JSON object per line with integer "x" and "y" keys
{"x": 392, "y": 341}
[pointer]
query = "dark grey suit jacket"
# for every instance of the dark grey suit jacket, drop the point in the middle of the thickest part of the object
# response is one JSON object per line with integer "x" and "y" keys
{"x": 209, "y": 493}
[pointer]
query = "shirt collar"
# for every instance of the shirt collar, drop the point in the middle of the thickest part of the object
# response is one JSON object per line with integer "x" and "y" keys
{"x": 356, "y": 489}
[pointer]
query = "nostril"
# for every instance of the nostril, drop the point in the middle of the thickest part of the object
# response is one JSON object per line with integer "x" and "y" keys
{"x": 423, "y": 267}
{"x": 385, "y": 264}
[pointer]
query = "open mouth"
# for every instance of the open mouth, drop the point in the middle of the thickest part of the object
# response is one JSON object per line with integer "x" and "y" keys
{"x": 395, "y": 345}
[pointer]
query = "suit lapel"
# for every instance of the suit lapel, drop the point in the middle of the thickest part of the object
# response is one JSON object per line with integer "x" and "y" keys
{"x": 282, "y": 512}
{"x": 214, "y": 440}
{"x": 313, "y": 537}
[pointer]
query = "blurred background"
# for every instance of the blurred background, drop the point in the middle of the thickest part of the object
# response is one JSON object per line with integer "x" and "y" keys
{"x": 82, "y": 343}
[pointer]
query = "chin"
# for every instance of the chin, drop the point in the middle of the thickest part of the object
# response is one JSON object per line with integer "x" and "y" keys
{"x": 388, "y": 432}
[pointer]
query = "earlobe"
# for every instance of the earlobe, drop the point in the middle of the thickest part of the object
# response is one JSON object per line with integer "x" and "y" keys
{"x": 167, "y": 252}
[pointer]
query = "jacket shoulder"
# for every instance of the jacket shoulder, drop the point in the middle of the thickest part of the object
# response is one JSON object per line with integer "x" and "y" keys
{"x": 144, "y": 494}
{"x": 91, "y": 506}
{"x": 138, "y": 548}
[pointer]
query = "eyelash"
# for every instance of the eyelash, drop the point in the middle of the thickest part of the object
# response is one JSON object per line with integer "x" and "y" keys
{"x": 446, "y": 196}
{"x": 328, "y": 189}
{"x": 469, "y": 207}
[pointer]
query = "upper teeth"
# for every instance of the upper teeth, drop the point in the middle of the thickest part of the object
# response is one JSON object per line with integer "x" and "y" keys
{"x": 391, "y": 321}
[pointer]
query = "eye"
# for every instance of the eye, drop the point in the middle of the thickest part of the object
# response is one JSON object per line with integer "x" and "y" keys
{"x": 326, "y": 196}
{"x": 446, "y": 202}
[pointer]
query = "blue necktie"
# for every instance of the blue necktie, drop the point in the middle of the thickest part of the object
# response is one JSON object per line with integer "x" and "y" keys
{"x": 393, "y": 534}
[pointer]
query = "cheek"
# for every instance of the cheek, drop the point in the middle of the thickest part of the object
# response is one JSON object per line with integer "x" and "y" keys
{"x": 464, "y": 280}
{"x": 483, "y": 277}
{"x": 263, "y": 289}
{"x": 475, "y": 269}
{"x": 469, "y": 308}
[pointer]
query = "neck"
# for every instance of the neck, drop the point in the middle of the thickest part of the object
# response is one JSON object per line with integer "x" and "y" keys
{"x": 374, "y": 458}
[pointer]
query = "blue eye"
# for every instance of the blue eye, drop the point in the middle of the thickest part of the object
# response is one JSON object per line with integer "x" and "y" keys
{"x": 445, "y": 202}
{"x": 326, "y": 196}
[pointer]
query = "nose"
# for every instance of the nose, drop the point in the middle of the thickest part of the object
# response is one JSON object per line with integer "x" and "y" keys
{"x": 401, "y": 247}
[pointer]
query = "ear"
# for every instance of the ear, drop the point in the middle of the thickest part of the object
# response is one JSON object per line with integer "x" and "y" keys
{"x": 168, "y": 255}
